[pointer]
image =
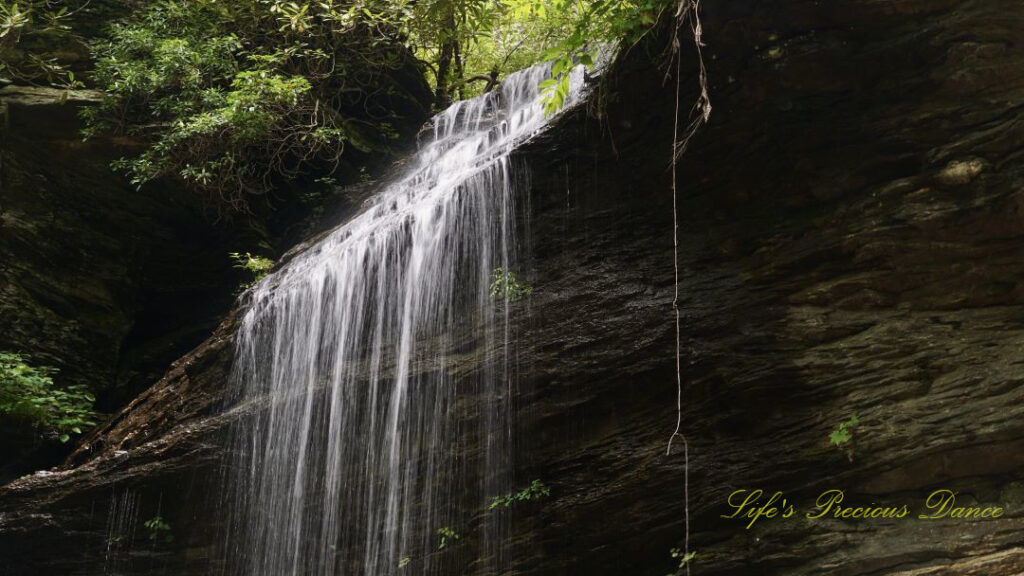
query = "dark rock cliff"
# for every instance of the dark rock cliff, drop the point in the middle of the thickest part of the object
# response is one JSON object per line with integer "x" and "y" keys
{"x": 850, "y": 243}
{"x": 105, "y": 282}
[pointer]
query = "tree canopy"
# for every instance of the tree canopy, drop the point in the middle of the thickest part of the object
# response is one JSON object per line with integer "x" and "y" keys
{"x": 235, "y": 98}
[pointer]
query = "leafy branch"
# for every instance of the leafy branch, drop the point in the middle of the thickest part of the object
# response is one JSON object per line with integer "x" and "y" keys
{"x": 506, "y": 286}
{"x": 28, "y": 393}
{"x": 30, "y": 33}
{"x": 159, "y": 529}
{"x": 534, "y": 491}
{"x": 258, "y": 266}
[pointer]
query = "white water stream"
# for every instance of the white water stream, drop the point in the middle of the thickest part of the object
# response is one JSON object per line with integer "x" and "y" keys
{"x": 355, "y": 353}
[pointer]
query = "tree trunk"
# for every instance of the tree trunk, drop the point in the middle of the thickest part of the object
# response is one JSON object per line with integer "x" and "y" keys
{"x": 449, "y": 52}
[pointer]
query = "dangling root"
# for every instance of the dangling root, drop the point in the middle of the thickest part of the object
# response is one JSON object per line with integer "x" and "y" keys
{"x": 688, "y": 12}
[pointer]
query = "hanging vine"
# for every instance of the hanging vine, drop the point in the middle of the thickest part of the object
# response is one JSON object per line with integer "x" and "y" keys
{"x": 687, "y": 15}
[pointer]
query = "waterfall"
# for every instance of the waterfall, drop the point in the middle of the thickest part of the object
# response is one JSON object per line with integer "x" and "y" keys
{"x": 354, "y": 362}
{"x": 122, "y": 520}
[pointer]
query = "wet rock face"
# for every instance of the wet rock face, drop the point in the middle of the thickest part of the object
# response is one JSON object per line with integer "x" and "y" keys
{"x": 849, "y": 243}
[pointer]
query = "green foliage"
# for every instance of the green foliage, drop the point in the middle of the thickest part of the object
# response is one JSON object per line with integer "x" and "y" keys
{"x": 496, "y": 37}
{"x": 235, "y": 97}
{"x": 844, "y": 433}
{"x": 31, "y": 31}
{"x": 404, "y": 562}
{"x": 534, "y": 491}
{"x": 159, "y": 529}
{"x": 470, "y": 42}
{"x": 28, "y": 393}
{"x": 684, "y": 558}
{"x": 493, "y": 38}
{"x": 14, "y": 19}
{"x": 843, "y": 436}
{"x": 585, "y": 27}
{"x": 505, "y": 286}
{"x": 447, "y": 536}
{"x": 257, "y": 265}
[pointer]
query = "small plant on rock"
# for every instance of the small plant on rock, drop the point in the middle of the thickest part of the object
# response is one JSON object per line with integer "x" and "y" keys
{"x": 842, "y": 436}
{"x": 506, "y": 286}
{"x": 159, "y": 529}
{"x": 534, "y": 491}
{"x": 258, "y": 266}
{"x": 684, "y": 558}
{"x": 448, "y": 537}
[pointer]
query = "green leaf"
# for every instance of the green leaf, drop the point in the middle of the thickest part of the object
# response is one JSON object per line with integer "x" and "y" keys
{"x": 839, "y": 437}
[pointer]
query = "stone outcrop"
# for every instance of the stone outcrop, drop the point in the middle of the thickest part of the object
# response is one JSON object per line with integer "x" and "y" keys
{"x": 105, "y": 282}
{"x": 849, "y": 243}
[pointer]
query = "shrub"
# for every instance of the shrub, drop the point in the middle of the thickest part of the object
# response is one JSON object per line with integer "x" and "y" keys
{"x": 236, "y": 97}
{"x": 28, "y": 393}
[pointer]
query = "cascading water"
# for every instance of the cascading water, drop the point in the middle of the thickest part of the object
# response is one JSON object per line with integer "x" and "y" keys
{"x": 122, "y": 521}
{"x": 353, "y": 358}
